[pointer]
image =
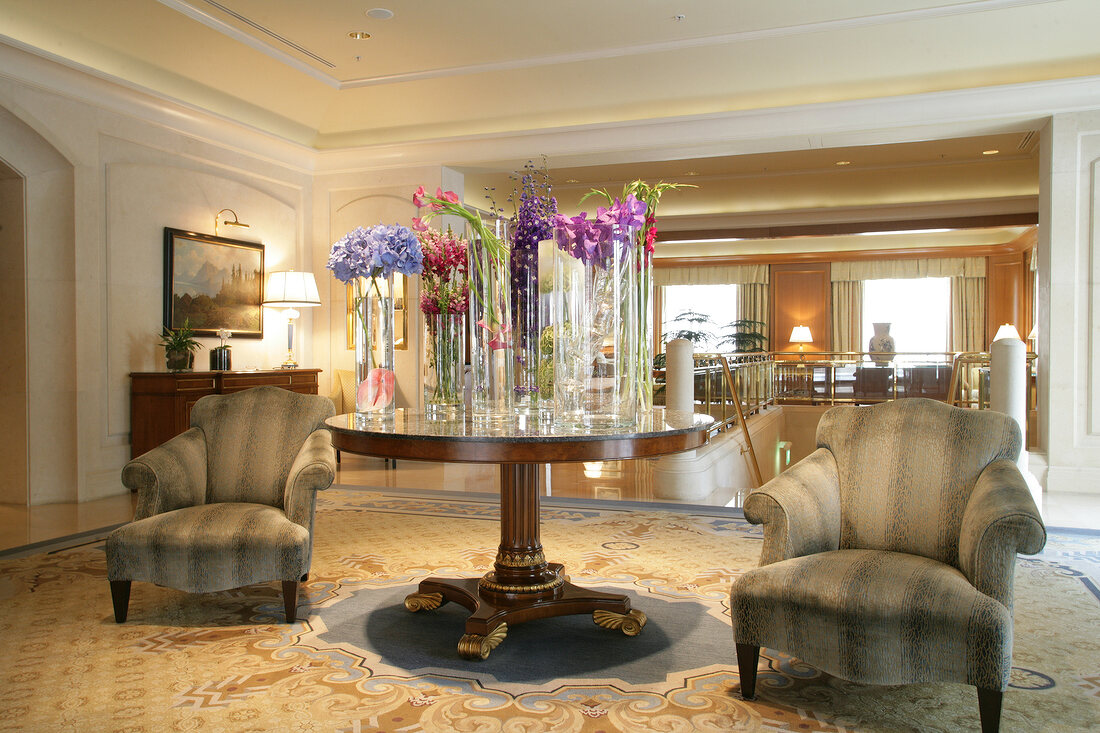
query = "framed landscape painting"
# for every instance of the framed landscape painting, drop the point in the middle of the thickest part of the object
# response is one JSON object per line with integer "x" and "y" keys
{"x": 211, "y": 283}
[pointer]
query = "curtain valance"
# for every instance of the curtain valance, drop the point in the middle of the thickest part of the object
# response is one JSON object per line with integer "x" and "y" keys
{"x": 899, "y": 269}
{"x": 722, "y": 275}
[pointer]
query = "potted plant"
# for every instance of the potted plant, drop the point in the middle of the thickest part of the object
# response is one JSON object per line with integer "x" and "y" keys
{"x": 744, "y": 337}
{"x": 179, "y": 347}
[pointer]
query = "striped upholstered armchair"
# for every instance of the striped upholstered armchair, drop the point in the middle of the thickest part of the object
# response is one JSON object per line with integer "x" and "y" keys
{"x": 889, "y": 551}
{"x": 229, "y": 502}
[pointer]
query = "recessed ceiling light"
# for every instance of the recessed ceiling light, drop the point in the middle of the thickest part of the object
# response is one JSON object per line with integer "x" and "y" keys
{"x": 380, "y": 13}
{"x": 990, "y": 152}
{"x": 359, "y": 35}
{"x": 679, "y": 17}
{"x": 844, "y": 162}
{"x": 691, "y": 173}
{"x": 571, "y": 180}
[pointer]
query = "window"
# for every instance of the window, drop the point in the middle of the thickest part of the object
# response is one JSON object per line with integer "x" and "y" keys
{"x": 716, "y": 304}
{"x": 917, "y": 309}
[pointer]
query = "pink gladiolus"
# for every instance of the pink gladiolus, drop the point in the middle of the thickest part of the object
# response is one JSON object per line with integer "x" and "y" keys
{"x": 376, "y": 391}
{"x": 418, "y": 196}
{"x": 418, "y": 225}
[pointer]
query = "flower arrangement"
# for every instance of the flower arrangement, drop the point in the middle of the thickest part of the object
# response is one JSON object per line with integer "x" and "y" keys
{"x": 645, "y": 240}
{"x": 444, "y": 299}
{"x": 363, "y": 257}
{"x": 592, "y": 241}
{"x": 532, "y": 223}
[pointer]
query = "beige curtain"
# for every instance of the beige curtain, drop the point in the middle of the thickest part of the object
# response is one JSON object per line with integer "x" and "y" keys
{"x": 720, "y": 275}
{"x": 752, "y": 304}
{"x": 968, "y": 314}
{"x": 847, "y": 315}
{"x": 900, "y": 269}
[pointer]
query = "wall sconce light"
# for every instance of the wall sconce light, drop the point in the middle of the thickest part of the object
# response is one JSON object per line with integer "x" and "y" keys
{"x": 801, "y": 335}
{"x": 235, "y": 223}
{"x": 291, "y": 290}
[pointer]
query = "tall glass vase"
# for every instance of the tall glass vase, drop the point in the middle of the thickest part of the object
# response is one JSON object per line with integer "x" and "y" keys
{"x": 489, "y": 274}
{"x": 374, "y": 364}
{"x": 443, "y": 373}
{"x": 644, "y": 294}
{"x": 596, "y": 335}
{"x": 526, "y": 325}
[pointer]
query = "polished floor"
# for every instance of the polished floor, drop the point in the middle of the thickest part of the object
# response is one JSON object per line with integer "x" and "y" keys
{"x": 608, "y": 480}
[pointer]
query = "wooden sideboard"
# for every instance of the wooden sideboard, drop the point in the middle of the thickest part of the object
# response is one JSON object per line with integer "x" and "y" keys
{"x": 160, "y": 402}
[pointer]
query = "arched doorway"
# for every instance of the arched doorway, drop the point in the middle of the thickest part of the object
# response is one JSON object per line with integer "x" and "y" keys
{"x": 13, "y": 335}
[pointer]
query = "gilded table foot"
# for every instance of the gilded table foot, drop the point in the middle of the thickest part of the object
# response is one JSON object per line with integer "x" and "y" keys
{"x": 423, "y": 601}
{"x": 629, "y": 623}
{"x": 476, "y": 646}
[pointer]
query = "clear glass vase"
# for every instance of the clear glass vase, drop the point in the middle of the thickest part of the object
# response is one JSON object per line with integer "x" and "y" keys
{"x": 492, "y": 389}
{"x": 526, "y": 326}
{"x": 443, "y": 373}
{"x": 596, "y": 335}
{"x": 643, "y": 269}
{"x": 375, "y": 394}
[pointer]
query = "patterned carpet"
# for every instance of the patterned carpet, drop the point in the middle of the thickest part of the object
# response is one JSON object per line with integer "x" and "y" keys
{"x": 357, "y": 661}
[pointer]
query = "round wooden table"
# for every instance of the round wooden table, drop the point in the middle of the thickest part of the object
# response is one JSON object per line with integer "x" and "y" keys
{"x": 522, "y": 585}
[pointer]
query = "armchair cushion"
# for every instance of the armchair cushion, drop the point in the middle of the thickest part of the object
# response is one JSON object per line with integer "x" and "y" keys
{"x": 210, "y": 547}
{"x": 252, "y": 438}
{"x": 907, "y": 468}
{"x": 876, "y": 617}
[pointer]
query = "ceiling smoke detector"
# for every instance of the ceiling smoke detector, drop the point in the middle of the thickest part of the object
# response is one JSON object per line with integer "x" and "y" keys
{"x": 380, "y": 13}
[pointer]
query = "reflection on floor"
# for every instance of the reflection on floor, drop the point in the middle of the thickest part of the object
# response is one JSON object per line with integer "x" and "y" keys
{"x": 607, "y": 480}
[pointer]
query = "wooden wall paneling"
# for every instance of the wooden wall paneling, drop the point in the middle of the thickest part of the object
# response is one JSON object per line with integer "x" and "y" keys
{"x": 1006, "y": 291}
{"x": 801, "y": 295}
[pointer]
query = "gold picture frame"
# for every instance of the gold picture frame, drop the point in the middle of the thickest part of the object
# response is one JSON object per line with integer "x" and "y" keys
{"x": 400, "y": 319}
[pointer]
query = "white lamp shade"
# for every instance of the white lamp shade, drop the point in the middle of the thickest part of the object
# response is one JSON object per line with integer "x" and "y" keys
{"x": 1034, "y": 333}
{"x": 290, "y": 289}
{"x": 1007, "y": 331}
{"x": 801, "y": 335}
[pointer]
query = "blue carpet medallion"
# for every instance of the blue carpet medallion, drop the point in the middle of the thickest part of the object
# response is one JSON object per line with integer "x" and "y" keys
{"x": 679, "y": 636}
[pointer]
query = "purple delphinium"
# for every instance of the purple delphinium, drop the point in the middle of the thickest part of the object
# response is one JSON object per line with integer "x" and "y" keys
{"x": 531, "y": 224}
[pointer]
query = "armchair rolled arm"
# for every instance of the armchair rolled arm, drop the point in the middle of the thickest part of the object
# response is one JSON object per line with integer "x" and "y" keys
{"x": 799, "y": 508}
{"x": 170, "y": 476}
{"x": 314, "y": 469}
{"x": 1000, "y": 520}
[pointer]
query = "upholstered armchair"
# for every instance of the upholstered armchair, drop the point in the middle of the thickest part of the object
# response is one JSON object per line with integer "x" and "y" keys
{"x": 889, "y": 551}
{"x": 343, "y": 393}
{"x": 229, "y": 502}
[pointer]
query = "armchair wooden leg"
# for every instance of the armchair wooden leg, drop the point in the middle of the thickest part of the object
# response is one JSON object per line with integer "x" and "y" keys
{"x": 989, "y": 708}
{"x": 120, "y": 597}
{"x": 290, "y": 600}
{"x": 748, "y": 656}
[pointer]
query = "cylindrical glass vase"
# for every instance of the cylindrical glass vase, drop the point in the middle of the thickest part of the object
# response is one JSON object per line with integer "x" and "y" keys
{"x": 596, "y": 334}
{"x": 375, "y": 395}
{"x": 526, "y": 325}
{"x": 492, "y": 395}
{"x": 644, "y": 295}
{"x": 443, "y": 372}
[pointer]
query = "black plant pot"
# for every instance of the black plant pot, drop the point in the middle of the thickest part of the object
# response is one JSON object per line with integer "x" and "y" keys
{"x": 220, "y": 358}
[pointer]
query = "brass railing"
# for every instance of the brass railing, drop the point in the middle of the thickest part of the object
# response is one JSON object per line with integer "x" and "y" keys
{"x": 831, "y": 378}
{"x": 753, "y": 378}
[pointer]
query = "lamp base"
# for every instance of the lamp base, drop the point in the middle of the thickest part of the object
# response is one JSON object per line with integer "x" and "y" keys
{"x": 289, "y": 363}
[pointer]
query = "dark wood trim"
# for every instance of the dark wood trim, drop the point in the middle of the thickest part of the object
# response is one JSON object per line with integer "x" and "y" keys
{"x": 989, "y": 709}
{"x": 290, "y": 600}
{"x": 748, "y": 658}
{"x": 120, "y": 599}
{"x": 985, "y": 221}
{"x": 472, "y": 451}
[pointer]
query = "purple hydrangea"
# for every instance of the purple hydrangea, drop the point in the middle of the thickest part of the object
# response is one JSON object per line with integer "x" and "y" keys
{"x": 379, "y": 251}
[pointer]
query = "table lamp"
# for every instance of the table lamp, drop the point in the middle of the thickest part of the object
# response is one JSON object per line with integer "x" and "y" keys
{"x": 291, "y": 290}
{"x": 801, "y": 335}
